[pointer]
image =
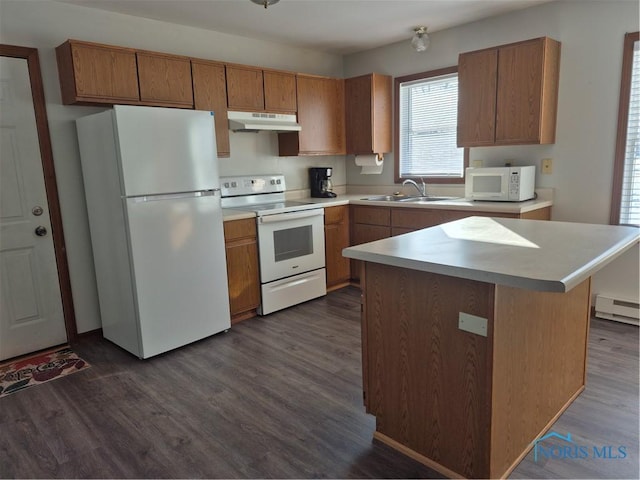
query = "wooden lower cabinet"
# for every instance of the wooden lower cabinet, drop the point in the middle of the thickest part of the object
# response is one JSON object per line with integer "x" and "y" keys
{"x": 468, "y": 405}
{"x": 370, "y": 223}
{"x": 336, "y": 238}
{"x": 241, "y": 245}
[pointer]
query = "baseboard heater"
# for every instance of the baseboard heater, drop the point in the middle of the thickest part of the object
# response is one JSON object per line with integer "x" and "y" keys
{"x": 616, "y": 309}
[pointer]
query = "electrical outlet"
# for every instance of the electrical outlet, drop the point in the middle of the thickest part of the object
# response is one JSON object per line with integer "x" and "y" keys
{"x": 472, "y": 324}
{"x": 547, "y": 165}
{"x": 477, "y": 163}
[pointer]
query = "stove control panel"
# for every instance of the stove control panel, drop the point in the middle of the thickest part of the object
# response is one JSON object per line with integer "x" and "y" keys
{"x": 252, "y": 185}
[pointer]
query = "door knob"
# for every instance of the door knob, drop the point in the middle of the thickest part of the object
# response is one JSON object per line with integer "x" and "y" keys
{"x": 40, "y": 231}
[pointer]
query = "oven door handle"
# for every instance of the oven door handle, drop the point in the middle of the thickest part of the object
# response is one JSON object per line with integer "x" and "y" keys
{"x": 283, "y": 217}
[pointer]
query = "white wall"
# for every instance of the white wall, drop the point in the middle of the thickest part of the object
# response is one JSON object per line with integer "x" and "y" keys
{"x": 591, "y": 33}
{"x": 45, "y": 25}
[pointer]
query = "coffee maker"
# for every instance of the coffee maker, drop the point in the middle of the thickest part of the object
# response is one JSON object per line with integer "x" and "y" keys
{"x": 320, "y": 182}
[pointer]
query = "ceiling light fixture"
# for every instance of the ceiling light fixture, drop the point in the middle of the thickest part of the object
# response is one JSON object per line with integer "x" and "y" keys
{"x": 420, "y": 41}
{"x": 265, "y": 3}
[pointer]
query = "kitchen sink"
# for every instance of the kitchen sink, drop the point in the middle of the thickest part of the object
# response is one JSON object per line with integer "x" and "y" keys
{"x": 402, "y": 198}
{"x": 387, "y": 198}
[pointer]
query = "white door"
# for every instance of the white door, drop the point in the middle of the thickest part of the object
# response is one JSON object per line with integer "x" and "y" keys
{"x": 31, "y": 316}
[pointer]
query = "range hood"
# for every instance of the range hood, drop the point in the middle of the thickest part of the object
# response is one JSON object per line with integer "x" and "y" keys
{"x": 259, "y": 121}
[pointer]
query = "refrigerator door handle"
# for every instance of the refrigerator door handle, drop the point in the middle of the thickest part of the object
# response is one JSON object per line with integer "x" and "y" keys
{"x": 173, "y": 196}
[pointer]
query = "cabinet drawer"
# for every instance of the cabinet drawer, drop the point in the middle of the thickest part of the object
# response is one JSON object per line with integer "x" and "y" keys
{"x": 414, "y": 218}
{"x": 369, "y": 233}
{"x": 236, "y": 229}
{"x": 372, "y": 215}
{"x": 334, "y": 215}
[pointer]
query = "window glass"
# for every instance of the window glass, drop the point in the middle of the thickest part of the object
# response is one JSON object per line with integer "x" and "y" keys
{"x": 630, "y": 196}
{"x": 625, "y": 205}
{"x": 428, "y": 113}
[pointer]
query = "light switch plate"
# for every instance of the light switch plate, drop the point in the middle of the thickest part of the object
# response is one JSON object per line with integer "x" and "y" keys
{"x": 472, "y": 324}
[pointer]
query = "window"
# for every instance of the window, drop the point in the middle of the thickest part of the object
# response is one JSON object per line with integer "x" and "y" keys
{"x": 625, "y": 204}
{"x": 426, "y": 127}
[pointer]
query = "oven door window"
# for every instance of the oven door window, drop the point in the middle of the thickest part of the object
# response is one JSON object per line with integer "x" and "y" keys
{"x": 292, "y": 243}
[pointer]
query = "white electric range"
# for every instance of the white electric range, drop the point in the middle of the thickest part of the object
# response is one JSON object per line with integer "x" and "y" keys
{"x": 290, "y": 239}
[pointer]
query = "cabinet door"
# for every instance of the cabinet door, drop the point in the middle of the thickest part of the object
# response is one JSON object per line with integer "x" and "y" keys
{"x": 477, "y": 83}
{"x": 363, "y": 234}
{"x": 518, "y": 98}
{"x": 368, "y": 114}
{"x": 359, "y": 115}
{"x": 527, "y": 92}
{"x": 97, "y": 74}
{"x": 165, "y": 80}
{"x": 245, "y": 89}
{"x": 336, "y": 239}
{"x": 210, "y": 93}
{"x": 242, "y": 268}
{"x": 280, "y": 92}
{"x": 321, "y": 115}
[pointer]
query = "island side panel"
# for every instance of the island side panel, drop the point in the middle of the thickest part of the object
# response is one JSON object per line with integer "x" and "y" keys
{"x": 428, "y": 381}
{"x": 539, "y": 366}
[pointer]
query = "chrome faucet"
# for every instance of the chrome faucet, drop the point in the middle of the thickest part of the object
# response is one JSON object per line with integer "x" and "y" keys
{"x": 422, "y": 191}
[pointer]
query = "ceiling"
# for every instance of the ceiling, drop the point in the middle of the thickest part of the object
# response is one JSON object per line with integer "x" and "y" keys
{"x": 333, "y": 26}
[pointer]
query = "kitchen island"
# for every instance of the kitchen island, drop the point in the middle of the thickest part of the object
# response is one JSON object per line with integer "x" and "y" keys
{"x": 474, "y": 335}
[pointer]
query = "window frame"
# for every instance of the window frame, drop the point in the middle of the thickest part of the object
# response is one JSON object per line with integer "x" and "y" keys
{"x": 623, "y": 117}
{"x": 396, "y": 127}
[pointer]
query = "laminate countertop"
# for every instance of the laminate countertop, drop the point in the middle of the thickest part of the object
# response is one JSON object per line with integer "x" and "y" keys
{"x": 453, "y": 204}
{"x": 530, "y": 254}
{"x": 229, "y": 214}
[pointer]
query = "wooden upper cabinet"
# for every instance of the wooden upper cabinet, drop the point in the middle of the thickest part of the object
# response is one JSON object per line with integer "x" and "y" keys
{"x": 508, "y": 95}
{"x": 245, "y": 89}
{"x": 280, "y": 92}
{"x": 210, "y": 93}
{"x": 94, "y": 73}
{"x": 165, "y": 79}
{"x": 256, "y": 90}
{"x": 91, "y": 73}
{"x": 527, "y": 97}
{"x": 368, "y": 114}
{"x": 321, "y": 116}
{"x": 477, "y": 83}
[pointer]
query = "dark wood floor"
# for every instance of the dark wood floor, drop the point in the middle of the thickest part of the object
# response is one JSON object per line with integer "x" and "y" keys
{"x": 275, "y": 397}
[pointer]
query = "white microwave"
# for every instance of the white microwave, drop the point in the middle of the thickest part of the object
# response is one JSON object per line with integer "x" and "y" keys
{"x": 500, "y": 184}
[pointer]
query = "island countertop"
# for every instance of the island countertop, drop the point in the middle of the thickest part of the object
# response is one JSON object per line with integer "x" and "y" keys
{"x": 530, "y": 254}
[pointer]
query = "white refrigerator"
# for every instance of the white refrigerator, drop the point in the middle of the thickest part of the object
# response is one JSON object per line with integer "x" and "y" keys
{"x": 153, "y": 199}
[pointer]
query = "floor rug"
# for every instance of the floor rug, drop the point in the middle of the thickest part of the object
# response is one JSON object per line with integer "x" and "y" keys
{"x": 40, "y": 368}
